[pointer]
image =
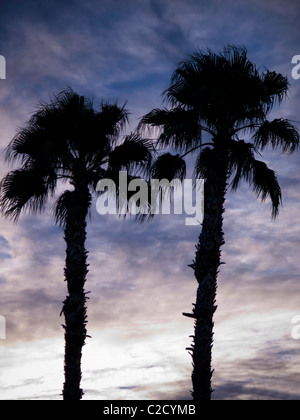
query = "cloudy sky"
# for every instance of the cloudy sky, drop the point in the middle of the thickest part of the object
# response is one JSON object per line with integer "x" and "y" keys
{"x": 139, "y": 278}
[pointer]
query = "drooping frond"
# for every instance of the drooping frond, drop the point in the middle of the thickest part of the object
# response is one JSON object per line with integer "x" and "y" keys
{"x": 279, "y": 133}
{"x": 38, "y": 142}
{"x": 244, "y": 166}
{"x": 204, "y": 161}
{"x": 276, "y": 87}
{"x": 131, "y": 153}
{"x": 60, "y": 208}
{"x": 241, "y": 157}
{"x": 23, "y": 189}
{"x": 265, "y": 184}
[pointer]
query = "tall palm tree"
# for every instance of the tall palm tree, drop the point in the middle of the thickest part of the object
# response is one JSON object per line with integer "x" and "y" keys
{"x": 224, "y": 96}
{"x": 68, "y": 139}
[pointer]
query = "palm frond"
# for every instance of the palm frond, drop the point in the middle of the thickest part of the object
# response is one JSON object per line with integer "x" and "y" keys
{"x": 179, "y": 128}
{"x": 204, "y": 161}
{"x": 279, "y": 133}
{"x": 244, "y": 166}
{"x": 276, "y": 87}
{"x": 241, "y": 157}
{"x": 60, "y": 208}
{"x": 46, "y": 136}
{"x": 155, "y": 118}
{"x": 135, "y": 152}
{"x": 265, "y": 184}
{"x": 23, "y": 189}
{"x": 168, "y": 166}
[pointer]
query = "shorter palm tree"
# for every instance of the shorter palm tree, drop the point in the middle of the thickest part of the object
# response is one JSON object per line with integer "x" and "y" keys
{"x": 69, "y": 140}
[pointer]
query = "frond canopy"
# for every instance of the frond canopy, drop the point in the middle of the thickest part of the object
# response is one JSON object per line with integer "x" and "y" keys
{"x": 224, "y": 94}
{"x": 225, "y": 87}
{"x": 68, "y": 139}
{"x": 215, "y": 92}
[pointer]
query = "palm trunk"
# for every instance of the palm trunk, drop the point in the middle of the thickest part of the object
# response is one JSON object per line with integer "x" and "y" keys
{"x": 207, "y": 261}
{"x": 74, "y": 308}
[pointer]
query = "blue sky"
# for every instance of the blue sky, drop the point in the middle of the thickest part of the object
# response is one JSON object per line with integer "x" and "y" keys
{"x": 139, "y": 279}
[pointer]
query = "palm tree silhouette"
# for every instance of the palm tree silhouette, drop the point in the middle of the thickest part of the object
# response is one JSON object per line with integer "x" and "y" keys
{"x": 224, "y": 96}
{"x": 68, "y": 140}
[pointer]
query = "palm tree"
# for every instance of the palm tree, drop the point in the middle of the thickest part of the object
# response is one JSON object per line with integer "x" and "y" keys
{"x": 67, "y": 139}
{"x": 224, "y": 96}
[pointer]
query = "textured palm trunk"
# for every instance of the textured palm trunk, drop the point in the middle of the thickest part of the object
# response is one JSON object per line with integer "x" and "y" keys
{"x": 207, "y": 261}
{"x": 74, "y": 307}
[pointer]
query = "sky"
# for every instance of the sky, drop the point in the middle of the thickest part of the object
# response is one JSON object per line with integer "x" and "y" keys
{"x": 139, "y": 279}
